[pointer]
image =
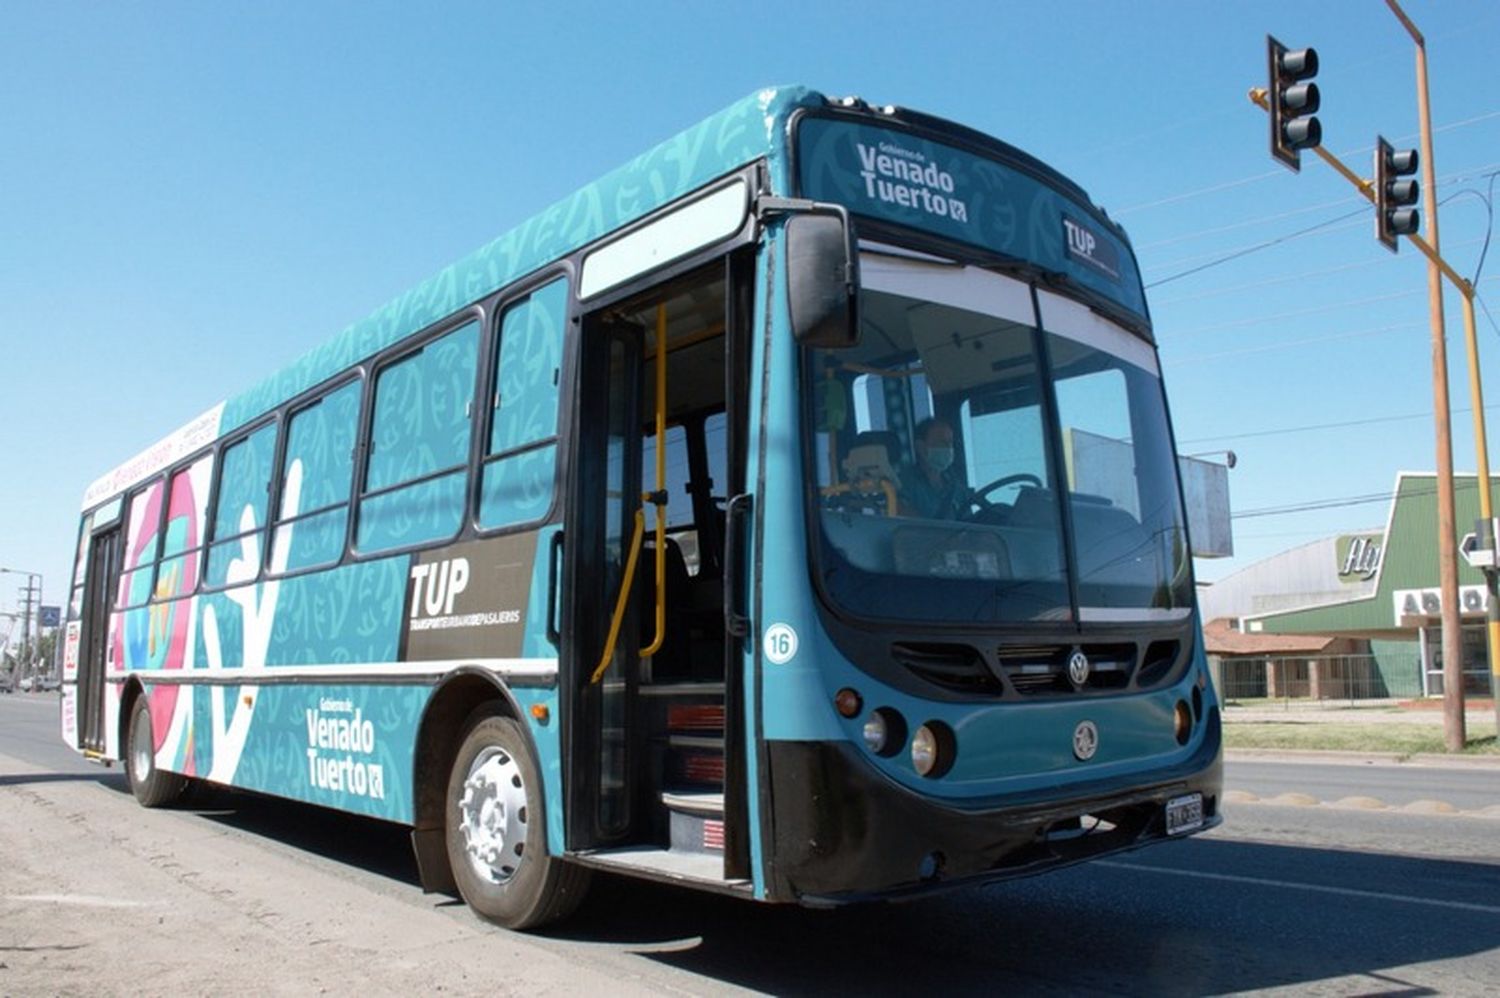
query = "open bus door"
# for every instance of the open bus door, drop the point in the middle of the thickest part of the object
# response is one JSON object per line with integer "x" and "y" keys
{"x": 101, "y": 580}
{"x": 655, "y": 741}
{"x": 603, "y": 652}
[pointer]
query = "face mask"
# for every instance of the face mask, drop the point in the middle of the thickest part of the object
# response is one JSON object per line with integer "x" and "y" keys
{"x": 940, "y": 459}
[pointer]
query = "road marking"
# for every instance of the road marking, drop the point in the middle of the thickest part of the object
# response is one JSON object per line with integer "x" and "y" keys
{"x": 1424, "y": 806}
{"x": 85, "y": 900}
{"x": 1231, "y": 878}
{"x": 1363, "y": 803}
{"x": 1429, "y": 807}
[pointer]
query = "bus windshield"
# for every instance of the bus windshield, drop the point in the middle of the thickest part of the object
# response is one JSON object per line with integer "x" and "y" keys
{"x": 976, "y": 424}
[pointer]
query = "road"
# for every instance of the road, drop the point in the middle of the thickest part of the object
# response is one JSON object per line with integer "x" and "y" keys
{"x": 241, "y": 894}
{"x": 1458, "y": 786}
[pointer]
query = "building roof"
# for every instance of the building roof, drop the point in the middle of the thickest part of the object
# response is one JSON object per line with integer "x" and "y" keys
{"x": 1220, "y": 638}
{"x": 1405, "y": 591}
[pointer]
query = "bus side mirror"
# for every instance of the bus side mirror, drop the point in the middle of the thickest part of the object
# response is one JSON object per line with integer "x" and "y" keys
{"x": 822, "y": 264}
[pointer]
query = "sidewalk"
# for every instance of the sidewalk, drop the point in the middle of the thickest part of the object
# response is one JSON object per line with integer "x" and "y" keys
{"x": 1359, "y": 712}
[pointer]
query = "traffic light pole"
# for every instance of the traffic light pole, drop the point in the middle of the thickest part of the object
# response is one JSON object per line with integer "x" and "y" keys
{"x": 1454, "y": 734}
{"x": 1453, "y": 705}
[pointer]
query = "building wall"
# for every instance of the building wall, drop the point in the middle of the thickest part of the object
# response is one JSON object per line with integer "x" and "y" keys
{"x": 1303, "y": 576}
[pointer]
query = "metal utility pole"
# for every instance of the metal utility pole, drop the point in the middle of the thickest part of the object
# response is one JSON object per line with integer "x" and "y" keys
{"x": 28, "y": 646}
{"x": 31, "y": 593}
{"x": 1282, "y": 101}
{"x": 1454, "y": 733}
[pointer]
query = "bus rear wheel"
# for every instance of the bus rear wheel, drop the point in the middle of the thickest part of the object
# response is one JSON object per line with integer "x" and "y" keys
{"x": 496, "y": 831}
{"x": 152, "y": 787}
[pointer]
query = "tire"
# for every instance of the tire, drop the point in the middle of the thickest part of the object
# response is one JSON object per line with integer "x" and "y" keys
{"x": 496, "y": 830}
{"x": 152, "y": 787}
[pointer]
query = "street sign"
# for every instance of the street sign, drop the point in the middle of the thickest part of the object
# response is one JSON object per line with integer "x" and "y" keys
{"x": 1476, "y": 556}
{"x": 51, "y": 616}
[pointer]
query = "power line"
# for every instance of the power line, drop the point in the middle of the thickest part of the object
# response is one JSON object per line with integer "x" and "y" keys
{"x": 1311, "y": 427}
{"x": 1256, "y": 178}
{"x": 1300, "y": 312}
{"x": 1285, "y": 344}
{"x": 1247, "y": 223}
{"x": 1478, "y": 173}
{"x": 1301, "y": 275}
{"x": 1314, "y": 505}
{"x": 1256, "y": 248}
{"x": 1487, "y": 314}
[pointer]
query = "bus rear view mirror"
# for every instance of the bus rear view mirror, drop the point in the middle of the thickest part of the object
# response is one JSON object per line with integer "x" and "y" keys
{"x": 822, "y": 279}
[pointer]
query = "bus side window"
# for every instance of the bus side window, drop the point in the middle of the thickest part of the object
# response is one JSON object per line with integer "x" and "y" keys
{"x": 316, "y": 475}
{"x": 520, "y": 459}
{"x": 187, "y": 509}
{"x": 240, "y": 515}
{"x": 415, "y": 481}
{"x": 142, "y": 542}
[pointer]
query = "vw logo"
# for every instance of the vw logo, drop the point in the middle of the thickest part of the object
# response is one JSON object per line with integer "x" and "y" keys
{"x": 1078, "y": 667}
{"x": 1085, "y": 740}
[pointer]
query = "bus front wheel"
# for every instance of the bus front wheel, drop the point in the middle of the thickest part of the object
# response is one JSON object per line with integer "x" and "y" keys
{"x": 496, "y": 831}
{"x": 152, "y": 787}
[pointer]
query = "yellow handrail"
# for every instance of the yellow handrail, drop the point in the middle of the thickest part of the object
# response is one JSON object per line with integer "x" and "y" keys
{"x": 624, "y": 598}
{"x": 658, "y": 498}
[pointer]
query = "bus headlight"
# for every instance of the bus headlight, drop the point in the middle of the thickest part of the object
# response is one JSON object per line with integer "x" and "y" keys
{"x": 932, "y": 749}
{"x": 884, "y": 732}
{"x": 1182, "y": 722}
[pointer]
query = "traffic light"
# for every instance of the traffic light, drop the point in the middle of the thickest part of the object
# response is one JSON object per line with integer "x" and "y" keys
{"x": 1393, "y": 194}
{"x": 1293, "y": 102}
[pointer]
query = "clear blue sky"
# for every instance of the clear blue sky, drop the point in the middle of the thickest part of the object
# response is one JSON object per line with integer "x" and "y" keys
{"x": 194, "y": 194}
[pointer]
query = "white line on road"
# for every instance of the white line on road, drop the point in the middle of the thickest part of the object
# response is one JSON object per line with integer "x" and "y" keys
{"x": 85, "y": 900}
{"x": 1488, "y": 909}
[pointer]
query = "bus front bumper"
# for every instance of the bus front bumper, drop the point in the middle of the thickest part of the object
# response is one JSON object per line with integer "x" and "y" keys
{"x": 842, "y": 832}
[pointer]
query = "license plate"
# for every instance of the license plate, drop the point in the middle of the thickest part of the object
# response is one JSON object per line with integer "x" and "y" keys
{"x": 1184, "y": 814}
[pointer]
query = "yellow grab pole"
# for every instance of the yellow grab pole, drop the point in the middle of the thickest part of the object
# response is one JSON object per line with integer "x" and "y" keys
{"x": 623, "y": 599}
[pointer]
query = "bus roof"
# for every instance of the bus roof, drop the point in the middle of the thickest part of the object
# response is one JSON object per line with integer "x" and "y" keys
{"x": 751, "y": 128}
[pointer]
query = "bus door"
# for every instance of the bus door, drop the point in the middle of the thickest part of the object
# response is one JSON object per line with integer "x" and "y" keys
{"x": 604, "y": 653}
{"x": 656, "y": 737}
{"x": 101, "y": 581}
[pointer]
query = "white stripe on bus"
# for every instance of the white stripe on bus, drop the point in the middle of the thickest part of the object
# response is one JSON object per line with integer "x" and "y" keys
{"x": 510, "y": 668}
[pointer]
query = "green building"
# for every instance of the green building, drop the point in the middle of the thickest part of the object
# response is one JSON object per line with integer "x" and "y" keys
{"x": 1378, "y": 592}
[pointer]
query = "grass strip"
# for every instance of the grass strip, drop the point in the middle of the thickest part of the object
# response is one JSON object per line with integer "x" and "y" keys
{"x": 1385, "y": 736}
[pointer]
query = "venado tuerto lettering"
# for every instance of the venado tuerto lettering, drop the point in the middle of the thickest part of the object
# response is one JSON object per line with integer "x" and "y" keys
{"x": 898, "y": 176}
{"x": 352, "y": 735}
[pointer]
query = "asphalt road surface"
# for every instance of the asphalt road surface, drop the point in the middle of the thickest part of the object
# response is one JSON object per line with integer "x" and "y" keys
{"x": 239, "y": 893}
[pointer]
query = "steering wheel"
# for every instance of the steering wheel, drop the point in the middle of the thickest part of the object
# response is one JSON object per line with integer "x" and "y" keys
{"x": 993, "y": 513}
{"x": 983, "y": 491}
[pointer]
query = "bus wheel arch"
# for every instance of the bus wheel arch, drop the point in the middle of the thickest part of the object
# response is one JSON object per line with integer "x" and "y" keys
{"x": 438, "y": 736}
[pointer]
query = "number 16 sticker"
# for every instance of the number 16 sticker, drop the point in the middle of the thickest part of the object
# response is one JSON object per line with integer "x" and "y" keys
{"x": 780, "y": 644}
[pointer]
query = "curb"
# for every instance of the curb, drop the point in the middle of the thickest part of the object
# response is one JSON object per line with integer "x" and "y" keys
{"x": 1426, "y": 760}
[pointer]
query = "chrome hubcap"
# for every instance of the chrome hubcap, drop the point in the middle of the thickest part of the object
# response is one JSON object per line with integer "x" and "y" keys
{"x": 492, "y": 815}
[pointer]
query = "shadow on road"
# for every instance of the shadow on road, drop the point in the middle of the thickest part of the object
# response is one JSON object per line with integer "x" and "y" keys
{"x": 115, "y": 781}
{"x": 366, "y": 843}
{"x": 1201, "y": 916}
{"x": 1197, "y": 917}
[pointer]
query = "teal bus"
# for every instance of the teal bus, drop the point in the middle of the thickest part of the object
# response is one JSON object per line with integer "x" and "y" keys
{"x": 792, "y": 513}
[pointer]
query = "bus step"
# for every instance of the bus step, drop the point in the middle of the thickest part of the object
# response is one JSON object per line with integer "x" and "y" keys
{"x": 696, "y": 821}
{"x": 695, "y": 764}
{"x": 695, "y": 717}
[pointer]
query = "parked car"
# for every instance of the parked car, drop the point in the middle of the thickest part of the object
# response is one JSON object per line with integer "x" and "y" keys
{"x": 26, "y": 684}
{"x": 7, "y": 684}
{"x": 48, "y": 684}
